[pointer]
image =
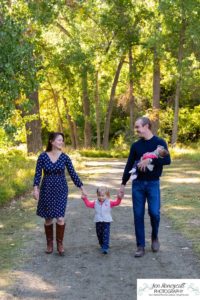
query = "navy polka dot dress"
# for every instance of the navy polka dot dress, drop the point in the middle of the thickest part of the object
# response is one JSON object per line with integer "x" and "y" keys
{"x": 54, "y": 190}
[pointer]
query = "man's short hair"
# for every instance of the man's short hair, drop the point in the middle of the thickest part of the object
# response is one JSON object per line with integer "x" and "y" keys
{"x": 145, "y": 121}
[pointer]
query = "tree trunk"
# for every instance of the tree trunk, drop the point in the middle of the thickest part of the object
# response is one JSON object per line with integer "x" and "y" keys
{"x": 156, "y": 92}
{"x": 178, "y": 84}
{"x": 33, "y": 128}
{"x": 110, "y": 105}
{"x": 55, "y": 98}
{"x": 86, "y": 110}
{"x": 131, "y": 96}
{"x": 97, "y": 107}
{"x": 72, "y": 126}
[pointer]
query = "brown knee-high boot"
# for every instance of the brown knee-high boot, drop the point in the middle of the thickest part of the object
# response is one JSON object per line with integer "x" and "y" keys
{"x": 49, "y": 236}
{"x": 60, "y": 229}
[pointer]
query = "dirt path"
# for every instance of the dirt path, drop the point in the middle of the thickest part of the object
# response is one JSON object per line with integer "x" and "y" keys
{"x": 84, "y": 273}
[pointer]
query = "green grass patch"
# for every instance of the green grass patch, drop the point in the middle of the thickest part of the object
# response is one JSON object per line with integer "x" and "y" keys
{"x": 16, "y": 221}
{"x": 179, "y": 152}
{"x": 16, "y": 174}
{"x": 181, "y": 198}
{"x": 104, "y": 153}
{"x": 188, "y": 153}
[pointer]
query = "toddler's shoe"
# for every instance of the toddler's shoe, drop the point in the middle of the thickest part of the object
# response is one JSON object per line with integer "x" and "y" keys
{"x": 104, "y": 251}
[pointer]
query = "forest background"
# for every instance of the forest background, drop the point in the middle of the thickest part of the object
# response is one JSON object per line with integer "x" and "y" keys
{"x": 89, "y": 69}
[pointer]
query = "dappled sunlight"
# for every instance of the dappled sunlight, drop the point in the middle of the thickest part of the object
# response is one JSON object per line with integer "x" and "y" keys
{"x": 126, "y": 203}
{"x": 4, "y": 281}
{"x": 183, "y": 180}
{"x": 180, "y": 207}
{"x": 101, "y": 171}
{"x": 33, "y": 281}
{"x": 29, "y": 225}
{"x": 193, "y": 172}
{"x": 5, "y": 295}
{"x": 195, "y": 222}
{"x": 175, "y": 169}
{"x": 123, "y": 236}
{"x": 74, "y": 196}
{"x": 104, "y": 163}
{"x": 163, "y": 187}
{"x": 30, "y": 203}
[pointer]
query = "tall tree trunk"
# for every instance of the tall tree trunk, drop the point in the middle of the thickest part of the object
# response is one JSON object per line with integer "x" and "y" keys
{"x": 110, "y": 105}
{"x": 33, "y": 128}
{"x": 97, "y": 107}
{"x": 86, "y": 109}
{"x": 131, "y": 96}
{"x": 156, "y": 91}
{"x": 72, "y": 126}
{"x": 55, "y": 98}
{"x": 178, "y": 83}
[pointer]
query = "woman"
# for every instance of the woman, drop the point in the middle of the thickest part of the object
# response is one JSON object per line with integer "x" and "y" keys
{"x": 52, "y": 194}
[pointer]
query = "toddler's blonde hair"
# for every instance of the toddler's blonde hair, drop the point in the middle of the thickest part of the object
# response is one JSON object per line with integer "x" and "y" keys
{"x": 103, "y": 189}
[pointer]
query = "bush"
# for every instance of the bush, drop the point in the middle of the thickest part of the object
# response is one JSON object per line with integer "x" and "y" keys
{"x": 16, "y": 174}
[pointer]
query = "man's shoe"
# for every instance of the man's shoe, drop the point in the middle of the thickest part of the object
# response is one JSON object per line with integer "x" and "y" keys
{"x": 140, "y": 252}
{"x": 155, "y": 246}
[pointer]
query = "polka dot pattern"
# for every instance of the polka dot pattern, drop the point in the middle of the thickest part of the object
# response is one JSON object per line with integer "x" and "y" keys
{"x": 54, "y": 189}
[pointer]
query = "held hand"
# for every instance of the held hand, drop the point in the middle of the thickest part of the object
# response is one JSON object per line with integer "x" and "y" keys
{"x": 143, "y": 164}
{"x": 121, "y": 191}
{"x": 84, "y": 192}
{"x": 120, "y": 195}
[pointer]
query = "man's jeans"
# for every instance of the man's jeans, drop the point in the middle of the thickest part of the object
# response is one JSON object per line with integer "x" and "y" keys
{"x": 142, "y": 191}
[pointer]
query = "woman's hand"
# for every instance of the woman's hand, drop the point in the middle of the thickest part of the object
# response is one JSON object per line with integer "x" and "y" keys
{"x": 84, "y": 192}
{"x": 36, "y": 193}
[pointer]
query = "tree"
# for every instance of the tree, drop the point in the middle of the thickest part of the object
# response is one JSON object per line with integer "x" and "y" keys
{"x": 179, "y": 19}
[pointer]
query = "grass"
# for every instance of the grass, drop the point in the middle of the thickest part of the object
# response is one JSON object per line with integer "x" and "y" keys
{"x": 179, "y": 152}
{"x": 16, "y": 174}
{"x": 181, "y": 198}
{"x": 187, "y": 153}
{"x": 113, "y": 153}
{"x": 15, "y": 223}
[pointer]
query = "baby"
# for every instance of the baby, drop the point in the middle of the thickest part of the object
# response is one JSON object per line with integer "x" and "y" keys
{"x": 159, "y": 152}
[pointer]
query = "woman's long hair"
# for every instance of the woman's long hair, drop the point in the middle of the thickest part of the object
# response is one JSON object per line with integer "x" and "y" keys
{"x": 52, "y": 137}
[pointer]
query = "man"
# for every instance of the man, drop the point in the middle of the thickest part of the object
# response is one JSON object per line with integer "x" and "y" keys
{"x": 147, "y": 184}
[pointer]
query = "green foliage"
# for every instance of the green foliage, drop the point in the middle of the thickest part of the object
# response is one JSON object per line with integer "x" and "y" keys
{"x": 189, "y": 124}
{"x": 19, "y": 59}
{"x": 49, "y": 44}
{"x": 102, "y": 153}
{"x": 16, "y": 174}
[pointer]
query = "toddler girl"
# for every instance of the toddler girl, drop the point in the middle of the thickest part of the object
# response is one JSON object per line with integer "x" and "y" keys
{"x": 103, "y": 216}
